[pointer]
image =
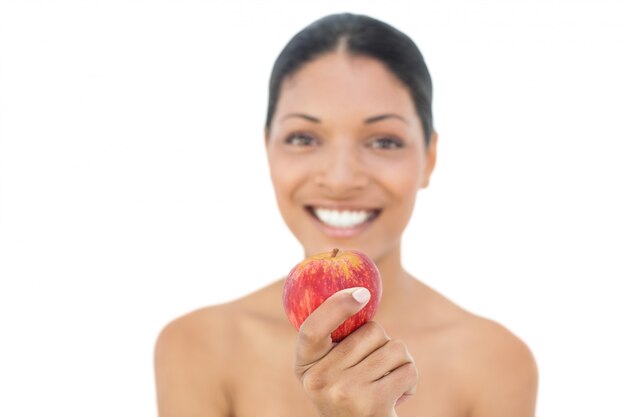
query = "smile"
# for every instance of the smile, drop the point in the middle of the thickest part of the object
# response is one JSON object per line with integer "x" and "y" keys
{"x": 343, "y": 218}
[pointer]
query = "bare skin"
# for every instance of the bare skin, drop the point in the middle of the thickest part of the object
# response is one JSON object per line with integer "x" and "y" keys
{"x": 345, "y": 137}
{"x": 237, "y": 360}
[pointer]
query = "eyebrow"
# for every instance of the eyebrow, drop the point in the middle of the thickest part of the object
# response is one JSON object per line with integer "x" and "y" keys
{"x": 303, "y": 116}
{"x": 369, "y": 120}
{"x": 375, "y": 119}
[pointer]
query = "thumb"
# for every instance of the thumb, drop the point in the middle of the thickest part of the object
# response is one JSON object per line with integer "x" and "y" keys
{"x": 314, "y": 340}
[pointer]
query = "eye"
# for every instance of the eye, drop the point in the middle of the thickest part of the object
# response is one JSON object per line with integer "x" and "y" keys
{"x": 386, "y": 142}
{"x": 300, "y": 139}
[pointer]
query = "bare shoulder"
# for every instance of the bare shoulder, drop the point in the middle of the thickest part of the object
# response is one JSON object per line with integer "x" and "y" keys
{"x": 478, "y": 339}
{"x": 500, "y": 369}
{"x": 213, "y": 329}
{"x": 496, "y": 370}
{"x": 193, "y": 352}
{"x": 190, "y": 377}
{"x": 490, "y": 343}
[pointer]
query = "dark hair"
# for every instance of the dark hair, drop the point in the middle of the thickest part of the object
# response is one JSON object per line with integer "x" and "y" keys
{"x": 361, "y": 35}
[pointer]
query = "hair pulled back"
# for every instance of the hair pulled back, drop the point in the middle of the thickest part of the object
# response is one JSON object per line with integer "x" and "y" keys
{"x": 364, "y": 36}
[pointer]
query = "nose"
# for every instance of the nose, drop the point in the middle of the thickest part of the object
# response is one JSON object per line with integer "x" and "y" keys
{"x": 341, "y": 171}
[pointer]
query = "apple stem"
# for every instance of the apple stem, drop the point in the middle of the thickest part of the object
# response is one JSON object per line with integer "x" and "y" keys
{"x": 335, "y": 251}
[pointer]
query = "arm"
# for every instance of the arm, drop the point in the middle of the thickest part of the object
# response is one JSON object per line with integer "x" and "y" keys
{"x": 188, "y": 366}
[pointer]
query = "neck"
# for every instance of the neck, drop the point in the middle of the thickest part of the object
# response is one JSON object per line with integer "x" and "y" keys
{"x": 396, "y": 283}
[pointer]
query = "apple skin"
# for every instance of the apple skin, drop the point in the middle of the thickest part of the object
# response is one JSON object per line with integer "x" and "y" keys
{"x": 318, "y": 277}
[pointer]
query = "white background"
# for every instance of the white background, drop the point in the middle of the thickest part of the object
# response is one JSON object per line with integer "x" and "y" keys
{"x": 134, "y": 186}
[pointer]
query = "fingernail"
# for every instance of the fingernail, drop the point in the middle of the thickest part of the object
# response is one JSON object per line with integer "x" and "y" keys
{"x": 362, "y": 295}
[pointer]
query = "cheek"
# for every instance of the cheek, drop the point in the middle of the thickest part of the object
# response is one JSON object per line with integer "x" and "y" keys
{"x": 401, "y": 178}
{"x": 402, "y": 185}
{"x": 286, "y": 177}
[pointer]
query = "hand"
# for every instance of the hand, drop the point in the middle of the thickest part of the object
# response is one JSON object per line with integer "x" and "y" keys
{"x": 363, "y": 375}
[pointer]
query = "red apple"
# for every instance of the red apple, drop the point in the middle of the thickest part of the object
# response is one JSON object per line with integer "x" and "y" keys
{"x": 318, "y": 277}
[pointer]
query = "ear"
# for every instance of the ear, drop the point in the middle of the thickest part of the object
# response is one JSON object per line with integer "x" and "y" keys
{"x": 266, "y": 135}
{"x": 430, "y": 159}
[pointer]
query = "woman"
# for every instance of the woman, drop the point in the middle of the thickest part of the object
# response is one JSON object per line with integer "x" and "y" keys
{"x": 350, "y": 141}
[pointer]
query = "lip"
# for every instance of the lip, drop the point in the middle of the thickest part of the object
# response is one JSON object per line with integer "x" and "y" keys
{"x": 342, "y": 232}
{"x": 333, "y": 205}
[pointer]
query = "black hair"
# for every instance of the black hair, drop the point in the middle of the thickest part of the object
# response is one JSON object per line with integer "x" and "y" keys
{"x": 361, "y": 35}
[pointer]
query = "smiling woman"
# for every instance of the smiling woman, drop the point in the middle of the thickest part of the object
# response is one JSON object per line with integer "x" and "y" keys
{"x": 344, "y": 170}
{"x": 350, "y": 142}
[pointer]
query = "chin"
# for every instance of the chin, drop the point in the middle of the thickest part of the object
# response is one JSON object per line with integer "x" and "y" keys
{"x": 371, "y": 236}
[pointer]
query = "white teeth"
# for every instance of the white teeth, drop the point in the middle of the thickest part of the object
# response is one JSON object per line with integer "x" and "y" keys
{"x": 344, "y": 218}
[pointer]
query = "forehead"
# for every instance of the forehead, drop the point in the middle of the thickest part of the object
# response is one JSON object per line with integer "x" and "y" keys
{"x": 339, "y": 83}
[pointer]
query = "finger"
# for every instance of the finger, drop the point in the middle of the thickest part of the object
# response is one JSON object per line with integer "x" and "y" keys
{"x": 314, "y": 340}
{"x": 400, "y": 383}
{"x": 385, "y": 360}
{"x": 359, "y": 345}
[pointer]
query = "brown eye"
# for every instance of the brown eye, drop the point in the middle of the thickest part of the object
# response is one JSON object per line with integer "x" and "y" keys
{"x": 300, "y": 139}
{"x": 387, "y": 143}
